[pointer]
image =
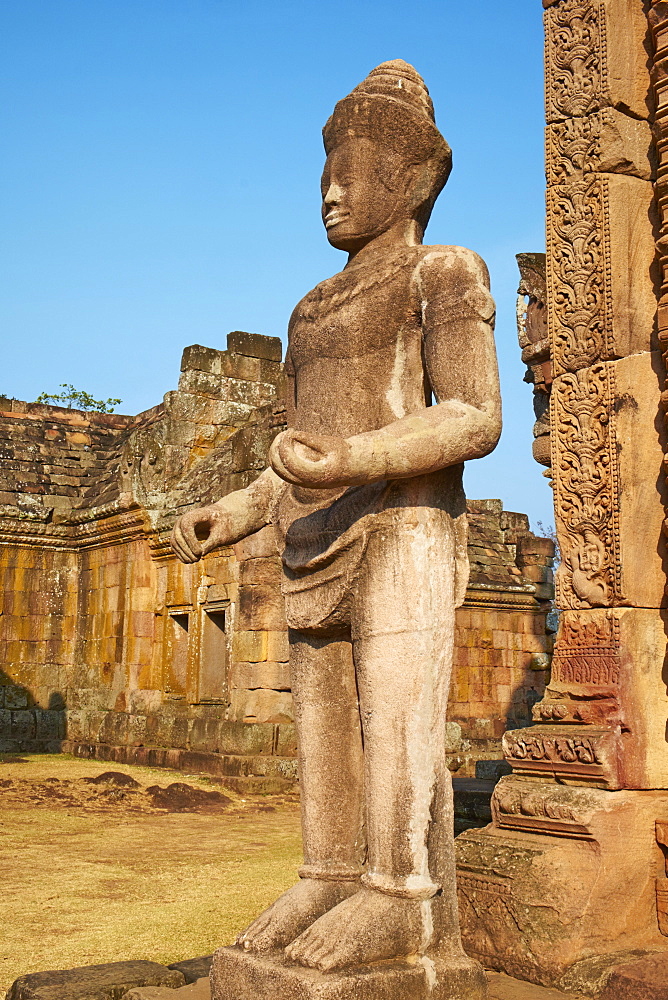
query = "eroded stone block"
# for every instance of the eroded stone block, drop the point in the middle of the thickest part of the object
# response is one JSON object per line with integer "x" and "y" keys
{"x": 239, "y": 975}
{"x": 608, "y": 670}
{"x": 532, "y": 906}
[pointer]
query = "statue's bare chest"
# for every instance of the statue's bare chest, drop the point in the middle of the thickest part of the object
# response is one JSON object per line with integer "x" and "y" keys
{"x": 355, "y": 314}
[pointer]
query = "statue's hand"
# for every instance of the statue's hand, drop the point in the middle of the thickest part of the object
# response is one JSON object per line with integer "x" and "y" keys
{"x": 199, "y": 531}
{"x": 318, "y": 461}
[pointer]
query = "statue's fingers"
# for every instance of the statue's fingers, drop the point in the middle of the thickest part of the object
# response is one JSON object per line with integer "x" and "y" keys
{"x": 180, "y": 552}
{"x": 209, "y": 544}
{"x": 187, "y": 541}
{"x": 278, "y": 464}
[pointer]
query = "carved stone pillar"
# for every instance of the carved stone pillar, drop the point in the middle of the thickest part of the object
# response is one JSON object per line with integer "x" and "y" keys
{"x": 537, "y": 886}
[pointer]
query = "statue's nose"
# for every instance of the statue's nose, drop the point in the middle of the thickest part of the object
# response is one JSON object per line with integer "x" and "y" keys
{"x": 333, "y": 195}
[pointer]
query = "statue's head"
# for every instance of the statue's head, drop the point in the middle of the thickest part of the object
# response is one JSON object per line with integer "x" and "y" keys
{"x": 386, "y": 160}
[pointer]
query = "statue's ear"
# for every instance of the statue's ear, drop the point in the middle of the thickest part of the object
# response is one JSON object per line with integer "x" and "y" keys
{"x": 411, "y": 178}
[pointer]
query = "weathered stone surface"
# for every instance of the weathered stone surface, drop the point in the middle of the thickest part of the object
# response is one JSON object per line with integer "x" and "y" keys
{"x": 596, "y": 57}
{"x": 93, "y": 982}
{"x": 237, "y": 975}
{"x": 254, "y": 345}
{"x": 194, "y": 968}
{"x": 200, "y": 989}
{"x": 534, "y": 905}
{"x": 502, "y": 987}
{"x": 645, "y": 979}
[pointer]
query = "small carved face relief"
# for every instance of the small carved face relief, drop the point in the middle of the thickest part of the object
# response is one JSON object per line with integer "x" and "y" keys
{"x": 363, "y": 193}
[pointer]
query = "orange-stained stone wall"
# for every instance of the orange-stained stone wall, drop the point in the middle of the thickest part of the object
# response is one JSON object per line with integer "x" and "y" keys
{"x": 111, "y": 647}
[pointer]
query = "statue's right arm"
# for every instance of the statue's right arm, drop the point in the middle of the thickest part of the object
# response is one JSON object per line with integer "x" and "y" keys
{"x": 228, "y": 520}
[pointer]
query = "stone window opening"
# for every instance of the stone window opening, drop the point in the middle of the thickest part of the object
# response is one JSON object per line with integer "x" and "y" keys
{"x": 176, "y": 673}
{"x": 214, "y": 657}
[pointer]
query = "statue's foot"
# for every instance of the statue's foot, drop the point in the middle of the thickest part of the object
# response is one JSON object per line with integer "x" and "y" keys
{"x": 368, "y": 927}
{"x": 293, "y": 912}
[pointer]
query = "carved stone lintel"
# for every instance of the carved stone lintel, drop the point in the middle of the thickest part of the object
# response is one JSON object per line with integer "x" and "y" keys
{"x": 542, "y": 807}
{"x": 583, "y": 754}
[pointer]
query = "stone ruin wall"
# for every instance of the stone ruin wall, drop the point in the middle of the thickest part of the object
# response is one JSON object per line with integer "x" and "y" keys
{"x": 110, "y": 647}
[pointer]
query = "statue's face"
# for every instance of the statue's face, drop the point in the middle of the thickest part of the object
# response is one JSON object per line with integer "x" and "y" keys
{"x": 357, "y": 206}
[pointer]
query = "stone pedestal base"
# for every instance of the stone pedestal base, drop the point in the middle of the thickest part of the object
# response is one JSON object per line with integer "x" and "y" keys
{"x": 561, "y": 875}
{"x": 239, "y": 975}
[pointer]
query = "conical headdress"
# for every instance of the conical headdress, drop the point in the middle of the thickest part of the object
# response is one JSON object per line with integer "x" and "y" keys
{"x": 392, "y": 106}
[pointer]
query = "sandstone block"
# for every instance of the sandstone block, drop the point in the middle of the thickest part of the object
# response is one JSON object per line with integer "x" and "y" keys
{"x": 267, "y": 674}
{"x": 278, "y": 646}
{"x": 241, "y": 366}
{"x": 15, "y": 697}
{"x": 194, "y": 969}
{"x": 610, "y": 38}
{"x": 255, "y": 345}
{"x": 260, "y": 607}
{"x": 600, "y": 237}
{"x": 532, "y": 905}
{"x": 249, "y": 646}
{"x": 266, "y": 570}
{"x": 608, "y": 445}
{"x": 93, "y": 982}
{"x": 259, "y": 545}
{"x": 203, "y": 359}
{"x": 286, "y": 743}
{"x": 238, "y": 975}
{"x": 238, "y": 738}
{"x": 261, "y": 705}
{"x": 646, "y": 979}
{"x": 199, "y": 990}
{"x": 202, "y": 383}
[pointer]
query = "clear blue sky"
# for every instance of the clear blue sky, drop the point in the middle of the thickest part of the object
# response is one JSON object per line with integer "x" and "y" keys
{"x": 159, "y": 183}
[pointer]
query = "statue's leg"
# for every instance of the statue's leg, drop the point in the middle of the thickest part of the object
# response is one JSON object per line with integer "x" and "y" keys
{"x": 403, "y": 628}
{"x": 331, "y": 782}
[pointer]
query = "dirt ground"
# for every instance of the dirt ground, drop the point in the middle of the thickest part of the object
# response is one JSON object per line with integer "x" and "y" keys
{"x": 103, "y": 871}
{"x": 105, "y": 862}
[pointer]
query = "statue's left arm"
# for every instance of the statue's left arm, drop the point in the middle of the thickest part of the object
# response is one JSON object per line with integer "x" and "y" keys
{"x": 452, "y": 286}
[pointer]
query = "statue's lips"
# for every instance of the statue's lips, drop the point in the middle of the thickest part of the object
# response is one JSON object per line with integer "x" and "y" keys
{"x": 334, "y": 219}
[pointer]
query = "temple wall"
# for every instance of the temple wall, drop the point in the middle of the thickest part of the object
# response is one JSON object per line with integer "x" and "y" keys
{"x": 112, "y": 647}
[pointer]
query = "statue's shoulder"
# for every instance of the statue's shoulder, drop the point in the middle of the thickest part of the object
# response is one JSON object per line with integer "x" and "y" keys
{"x": 457, "y": 264}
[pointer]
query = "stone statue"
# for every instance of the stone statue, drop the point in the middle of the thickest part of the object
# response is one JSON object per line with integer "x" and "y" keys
{"x": 392, "y": 385}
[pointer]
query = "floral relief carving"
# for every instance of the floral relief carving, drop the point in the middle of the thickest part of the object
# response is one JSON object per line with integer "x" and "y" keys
{"x": 658, "y": 20}
{"x": 574, "y": 63}
{"x": 578, "y": 274}
{"x": 573, "y": 147}
{"x": 586, "y": 489}
{"x": 587, "y": 651}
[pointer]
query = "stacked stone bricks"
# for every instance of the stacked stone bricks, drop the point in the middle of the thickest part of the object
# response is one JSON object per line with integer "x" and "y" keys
{"x": 112, "y": 648}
